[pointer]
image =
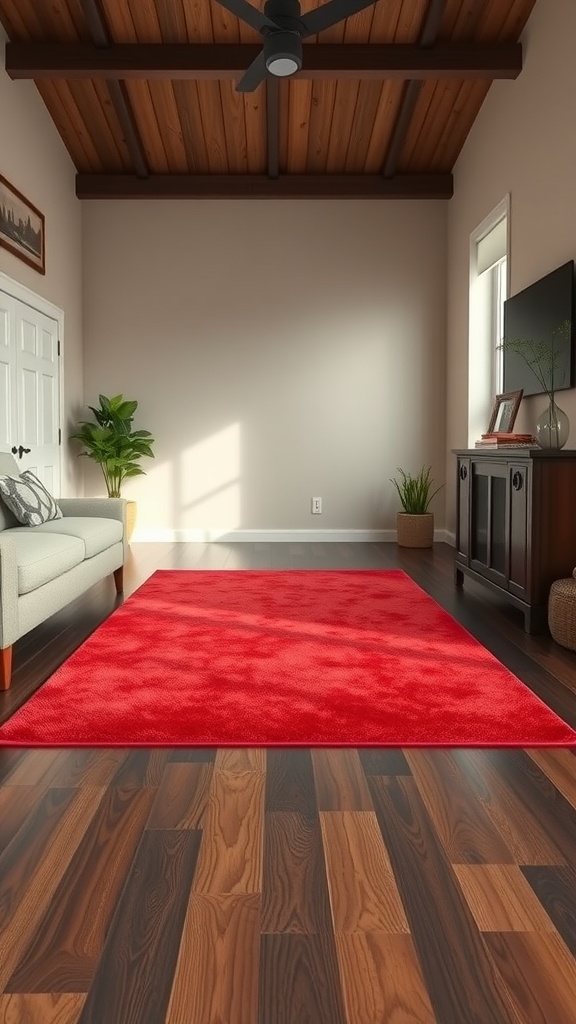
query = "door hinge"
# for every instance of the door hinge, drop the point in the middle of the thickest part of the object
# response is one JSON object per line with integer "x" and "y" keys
{"x": 59, "y": 436}
{"x": 58, "y": 346}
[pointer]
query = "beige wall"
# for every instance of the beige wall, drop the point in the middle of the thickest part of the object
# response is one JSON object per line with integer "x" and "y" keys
{"x": 33, "y": 159}
{"x": 523, "y": 142}
{"x": 279, "y": 351}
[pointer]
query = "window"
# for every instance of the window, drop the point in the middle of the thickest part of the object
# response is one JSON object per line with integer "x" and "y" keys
{"x": 488, "y": 290}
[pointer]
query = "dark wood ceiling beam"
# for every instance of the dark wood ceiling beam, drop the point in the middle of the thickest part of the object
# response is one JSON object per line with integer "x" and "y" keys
{"x": 246, "y": 186}
{"x": 273, "y": 126}
{"x": 118, "y": 94}
{"x": 428, "y": 34}
{"x": 206, "y": 61}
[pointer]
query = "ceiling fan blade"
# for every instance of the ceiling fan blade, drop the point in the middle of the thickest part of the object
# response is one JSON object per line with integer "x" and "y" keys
{"x": 249, "y": 14}
{"x": 254, "y": 74}
{"x": 329, "y": 14}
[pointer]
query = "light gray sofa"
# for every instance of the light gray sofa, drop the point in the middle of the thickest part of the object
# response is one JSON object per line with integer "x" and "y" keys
{"x": 43, "y": 568}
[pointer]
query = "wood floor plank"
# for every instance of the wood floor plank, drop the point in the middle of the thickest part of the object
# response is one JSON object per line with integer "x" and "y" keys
{"x": 16, "y": 805}
{"x": 26, "y": 851}
{"x": 382, "y": 979}
{"x": 363, "y": 893}
{"x": 299, "y": 980}
{"x": 295, "y": 892}
{"x": 460, "y": 977}
{"x": 216, "y": 978}
{"x": 204, "y": 754}
{"x": 140, "y": 768}
{"x": 88, "y": 767}
{"x": 383, "y": 761}
{"x": 242, "y": 759}
{"x": 513, "y": 817}
{"x": 230, "y": 859}
{"x": 134, "y": 977}
{"x": 38, "y": 768}
{"x": 33, "y": 864}
{"x": 182, "y": 797}
{"x": 556, "y": 889}
{"x": 8, "y": 761}
{"x": 339, "y": 780}
{"x": 539, "y": 973}
{"x": 465, "y": 830}
{"x": 501, "y": 899}
{"x": 63, "y": 952}
{"x": 558, "y": 765}
{"x": 41, "y": 1009}
{"x": 290, "y": 781}
{"x": 555, "y": 815}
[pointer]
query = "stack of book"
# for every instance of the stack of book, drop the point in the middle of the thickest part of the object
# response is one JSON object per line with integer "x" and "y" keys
{"x": 501, "y": 440}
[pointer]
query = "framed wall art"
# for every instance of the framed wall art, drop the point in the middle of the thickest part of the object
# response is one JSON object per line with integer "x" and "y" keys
{"x": 21, "y": 227}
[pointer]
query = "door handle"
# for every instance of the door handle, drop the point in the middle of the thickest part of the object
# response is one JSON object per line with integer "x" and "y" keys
{"x": 517, "y": 481}
{"x": 20, "y": 451}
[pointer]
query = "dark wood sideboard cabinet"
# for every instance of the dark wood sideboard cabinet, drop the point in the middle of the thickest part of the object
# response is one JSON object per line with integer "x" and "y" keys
{"x": 516, "y": 524}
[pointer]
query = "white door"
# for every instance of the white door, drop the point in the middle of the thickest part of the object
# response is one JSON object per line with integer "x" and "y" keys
{"x": 29, "y": 389}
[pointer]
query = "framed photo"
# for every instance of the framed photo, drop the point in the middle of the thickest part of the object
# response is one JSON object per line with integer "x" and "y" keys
{"x": 21, "y": 227}
{"x": 504, "y": 412}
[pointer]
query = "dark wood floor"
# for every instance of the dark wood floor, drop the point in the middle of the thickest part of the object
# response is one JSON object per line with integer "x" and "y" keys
{"x": 290, "y": 886}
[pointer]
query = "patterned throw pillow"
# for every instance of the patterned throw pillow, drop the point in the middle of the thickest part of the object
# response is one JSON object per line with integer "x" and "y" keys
{"x": 28, "y": 499}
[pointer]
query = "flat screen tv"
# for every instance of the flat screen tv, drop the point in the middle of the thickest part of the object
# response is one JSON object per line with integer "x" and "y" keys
{"x": 537, "y": 312}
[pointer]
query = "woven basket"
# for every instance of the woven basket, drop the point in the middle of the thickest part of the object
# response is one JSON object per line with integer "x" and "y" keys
{"x": 414, "y": 531}
{"x": 562, "y": 613}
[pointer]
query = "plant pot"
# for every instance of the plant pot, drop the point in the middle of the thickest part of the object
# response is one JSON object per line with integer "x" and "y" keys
{"x": 414, "y": 531}
{"x": 131, "y": 510}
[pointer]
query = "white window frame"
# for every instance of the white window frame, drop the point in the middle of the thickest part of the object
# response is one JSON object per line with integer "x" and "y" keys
{"x": 485, "y": 324}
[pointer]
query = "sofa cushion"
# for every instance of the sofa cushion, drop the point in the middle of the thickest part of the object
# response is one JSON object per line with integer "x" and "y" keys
{"x": 96, "y": 534}
{"x": 41, "y": 557}
{"x": 8, "y": 467}
{"x": 26, "y": 496}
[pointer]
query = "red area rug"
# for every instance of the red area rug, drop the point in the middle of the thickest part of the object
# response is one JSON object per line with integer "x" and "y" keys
{"x": 351, "y": 658}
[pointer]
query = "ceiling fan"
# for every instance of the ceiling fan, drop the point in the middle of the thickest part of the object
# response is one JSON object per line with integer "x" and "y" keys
{"x": 283, "y": 28}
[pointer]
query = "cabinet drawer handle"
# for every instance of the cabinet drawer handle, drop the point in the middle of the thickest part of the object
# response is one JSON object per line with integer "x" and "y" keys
{"x": 463, "y": 472}
{"x": 517, "y": 481}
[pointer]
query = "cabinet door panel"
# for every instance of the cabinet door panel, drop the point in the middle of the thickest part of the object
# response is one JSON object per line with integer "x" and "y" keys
{"x": 488, "y": 534}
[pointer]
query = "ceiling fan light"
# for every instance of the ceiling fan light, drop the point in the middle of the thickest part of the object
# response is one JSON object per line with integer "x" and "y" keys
{"x": 282, "y": 66}
{"x": 283, "y": 53}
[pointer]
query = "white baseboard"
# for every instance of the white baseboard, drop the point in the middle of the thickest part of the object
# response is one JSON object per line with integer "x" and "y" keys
{"x": 159, "y": 534}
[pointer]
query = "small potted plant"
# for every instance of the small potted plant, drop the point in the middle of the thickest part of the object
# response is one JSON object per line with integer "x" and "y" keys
{"x": 415, "y": 524}
{"x": 117, "y": 449}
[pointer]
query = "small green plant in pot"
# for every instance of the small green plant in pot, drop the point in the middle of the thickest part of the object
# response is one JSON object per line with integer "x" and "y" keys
{"x": 114, "y": 445}
{"x": 415, "y": 524}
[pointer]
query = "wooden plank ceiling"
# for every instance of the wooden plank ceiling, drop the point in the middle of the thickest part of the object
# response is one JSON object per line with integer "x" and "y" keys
{"x": 143, "y": 95}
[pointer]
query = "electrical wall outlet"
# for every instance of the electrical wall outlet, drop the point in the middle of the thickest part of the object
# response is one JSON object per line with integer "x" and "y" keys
{"x": 316, "y": 506}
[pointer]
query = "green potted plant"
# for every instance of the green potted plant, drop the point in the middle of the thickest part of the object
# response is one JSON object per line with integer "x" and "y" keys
{"x": 415, "y": 524}
{"x": 115, "y": 446}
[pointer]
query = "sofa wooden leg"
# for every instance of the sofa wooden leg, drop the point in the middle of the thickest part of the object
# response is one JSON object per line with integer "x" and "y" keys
{"x": 119, "y": 579}
{"x": 5, "y": 668}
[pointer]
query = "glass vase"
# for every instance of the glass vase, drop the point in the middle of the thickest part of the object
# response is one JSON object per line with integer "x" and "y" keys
{"x": 552, "y": 426}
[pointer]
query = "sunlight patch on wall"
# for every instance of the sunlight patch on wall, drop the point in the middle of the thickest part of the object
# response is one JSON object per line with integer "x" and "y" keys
{"x": 153, "y": 492}
{"x": 209, "y": 482}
